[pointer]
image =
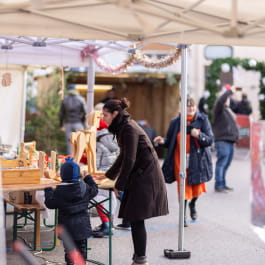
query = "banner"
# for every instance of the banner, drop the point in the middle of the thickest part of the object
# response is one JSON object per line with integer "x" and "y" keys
{"x": 258, "y": 173}
{"x": 243, "y": 123}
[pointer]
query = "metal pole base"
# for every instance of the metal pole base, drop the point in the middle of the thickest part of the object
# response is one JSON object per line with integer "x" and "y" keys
{"x": 176, "y": 254}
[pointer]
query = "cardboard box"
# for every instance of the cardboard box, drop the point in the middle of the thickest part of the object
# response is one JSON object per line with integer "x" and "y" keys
{"x": 21, "y": 176}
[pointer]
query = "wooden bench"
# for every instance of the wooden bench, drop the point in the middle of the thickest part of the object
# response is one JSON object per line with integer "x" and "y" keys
{"x": 28, "y": 212}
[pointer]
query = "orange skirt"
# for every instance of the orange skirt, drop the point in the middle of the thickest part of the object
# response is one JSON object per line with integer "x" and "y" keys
{"x": 191, "y": 191}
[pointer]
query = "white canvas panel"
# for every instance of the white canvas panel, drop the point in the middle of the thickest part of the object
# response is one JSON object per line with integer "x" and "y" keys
{"x": 11, "y": 112}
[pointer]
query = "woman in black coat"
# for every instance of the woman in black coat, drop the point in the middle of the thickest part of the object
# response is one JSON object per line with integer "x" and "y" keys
{"x": 137, "y": 173}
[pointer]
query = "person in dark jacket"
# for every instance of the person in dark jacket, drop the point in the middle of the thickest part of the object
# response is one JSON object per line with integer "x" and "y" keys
{"x": 150, "y": 131}
{"x": 202, "y": 106}
{"x": 72, "y": 114}
{"x": 111, "y": 94}
{"x": 199, "y": 161}
{"x": 226, "y": 133}
{"x": 71, "y": 198}
{"x": 137, "y": 173}
{"x": 244, "y": 106}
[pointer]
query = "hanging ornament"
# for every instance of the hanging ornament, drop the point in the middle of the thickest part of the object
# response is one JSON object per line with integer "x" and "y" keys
{"x": 61, "y": 94}
{"x": 225, "y": 67}
{"x": 134, "y": 56}
{"x": 261, "y": 96}
{"x": 252, "y": 63}
{"x": 6, "y": 79}
{"x": 218, "y": 82}
{"x": 206, "y": 107}
{"x": 206, "y": 94}
{"x": 61, "y": 91}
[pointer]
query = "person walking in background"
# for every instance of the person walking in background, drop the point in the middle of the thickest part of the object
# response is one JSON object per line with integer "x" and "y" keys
{"x": 226, "y": 133}
{"x": 199, "y": 161}
{"x": 202, "y": 106}
{"x": 109, "y": 95}
{"x": 72, "y": 114}
{"x": 137, "y": 173}
{"x": 244, "y": 106}
{"x": 71, "y": 198}
{"x": 150, "y": 131}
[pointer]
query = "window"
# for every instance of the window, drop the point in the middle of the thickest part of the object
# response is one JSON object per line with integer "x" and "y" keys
{"x": 212, "y": 52}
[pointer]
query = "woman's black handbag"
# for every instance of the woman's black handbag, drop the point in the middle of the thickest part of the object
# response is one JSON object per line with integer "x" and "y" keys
{"x": 200, "y": 166}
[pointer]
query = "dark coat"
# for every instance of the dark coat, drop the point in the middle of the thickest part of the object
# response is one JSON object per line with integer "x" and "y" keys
{"x": 205, "y": 140}
{"x": 73, "y": 109}
{"x": 244, "y": 107}
{"x": 138, "y": 172}
{"x": 71, "y": 199}
{"x": 224, "y": 124}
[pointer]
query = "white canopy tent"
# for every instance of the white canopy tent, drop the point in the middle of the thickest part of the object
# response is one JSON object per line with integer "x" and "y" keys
{"x": 226, "y": 22}
{"x": 229, "y": 22}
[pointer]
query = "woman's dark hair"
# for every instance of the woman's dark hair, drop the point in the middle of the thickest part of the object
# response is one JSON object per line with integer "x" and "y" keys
{"x": 116, "y": 105}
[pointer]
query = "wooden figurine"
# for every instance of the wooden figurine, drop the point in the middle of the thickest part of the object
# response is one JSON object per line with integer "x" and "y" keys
{"x": 28, "y": 152}
{"x": 85, "y": 140}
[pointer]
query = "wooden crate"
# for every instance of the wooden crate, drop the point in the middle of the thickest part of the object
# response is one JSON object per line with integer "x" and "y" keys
{"x": 21, "y": 176}
{"x": 19, "y": 197}
{"x": 13, "y": 163}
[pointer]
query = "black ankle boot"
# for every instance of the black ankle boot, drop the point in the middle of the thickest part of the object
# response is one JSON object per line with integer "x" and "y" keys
{"x": 103, "y": 231}
{"x": 185, "y": 216}
{"x": 185, "y": 222}
{"x": 193, "y": 212}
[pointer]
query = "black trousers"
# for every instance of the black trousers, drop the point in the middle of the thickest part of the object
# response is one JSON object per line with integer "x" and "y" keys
{"x": 139, "y": 237}
{"x": 81, "y": 246}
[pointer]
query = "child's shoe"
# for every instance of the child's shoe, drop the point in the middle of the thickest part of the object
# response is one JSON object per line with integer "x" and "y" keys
{"x": 103, "y": 231}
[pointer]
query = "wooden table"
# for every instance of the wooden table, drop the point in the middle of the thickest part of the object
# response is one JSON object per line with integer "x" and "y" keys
{"x": 106, "y": 184}
{"x": 21, "y": 207}
{"x": 44, "y": 183}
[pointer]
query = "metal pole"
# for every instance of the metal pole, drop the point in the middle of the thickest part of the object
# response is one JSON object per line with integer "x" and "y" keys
{"x": 183, "y": 123}
{"x": 23, "y": 106}
{"x": 90, "y": 85}
{"x": 110, "y": 227}
{"x": 181, "y": 253}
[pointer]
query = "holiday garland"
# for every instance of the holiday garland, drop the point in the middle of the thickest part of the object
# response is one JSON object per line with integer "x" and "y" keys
{"x": 135, "y": 56}
{"x": 213, "y": 81}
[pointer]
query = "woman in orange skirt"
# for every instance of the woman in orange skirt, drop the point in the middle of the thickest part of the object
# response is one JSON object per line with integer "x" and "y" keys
{"x": 199, "y": 163}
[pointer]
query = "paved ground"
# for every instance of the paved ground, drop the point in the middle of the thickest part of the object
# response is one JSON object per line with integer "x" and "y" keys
{"x": 222, "y": 235}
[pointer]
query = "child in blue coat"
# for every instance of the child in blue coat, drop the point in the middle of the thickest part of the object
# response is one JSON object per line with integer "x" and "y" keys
{"x": 71, "y": 198}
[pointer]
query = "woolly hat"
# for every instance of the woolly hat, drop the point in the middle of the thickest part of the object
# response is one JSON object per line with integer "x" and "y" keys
{"x": 70, "y": 171}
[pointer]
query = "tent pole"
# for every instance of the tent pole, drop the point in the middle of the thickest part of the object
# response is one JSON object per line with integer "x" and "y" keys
{"x": 183, "y": 123}
{"x": 181, "y": 253}
{"x": 23, "y": 106}
{"x": 90, "y": 85}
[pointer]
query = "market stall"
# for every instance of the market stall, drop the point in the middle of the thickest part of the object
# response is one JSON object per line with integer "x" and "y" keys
{"x": 189, "y": 22}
